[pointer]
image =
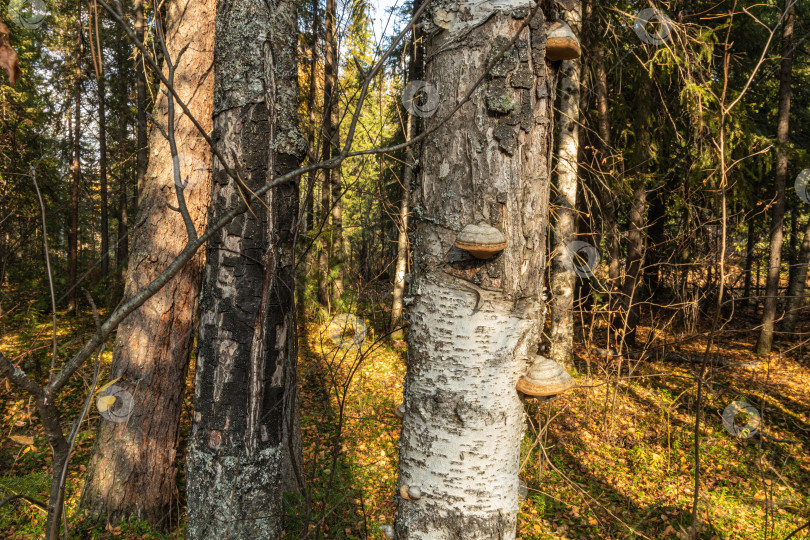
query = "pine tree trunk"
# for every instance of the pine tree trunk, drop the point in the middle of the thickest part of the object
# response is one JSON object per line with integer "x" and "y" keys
{"x": 765, "y": 341}
{"x": 563, "y": 276}
{"x": 797, "y": 284}
{"x": 474, "y": 322}
{"x": 132, "y": 471}
{"x": 102, "y": 167}
{"x": 245, "y": 380}
{"x": 331, "y": 132}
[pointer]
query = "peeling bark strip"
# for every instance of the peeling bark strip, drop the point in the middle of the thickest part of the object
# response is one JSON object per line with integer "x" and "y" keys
{"x": 245, "y": 378}
{"x": 132, "y": 470}
{"x": 473, "y": 322}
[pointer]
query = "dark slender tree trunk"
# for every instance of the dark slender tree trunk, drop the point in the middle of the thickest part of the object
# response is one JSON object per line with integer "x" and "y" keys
{"x": 765, "y": 341}
{"x": 636, "y": 236}
{"x": 338, "y": 249}
{"x": 102, "y": 167}
{"x": 798, "y": 281}
{"x": 750, "y": 246}
{"x": 245, "y": 383}
{"x": 330, "y": 185}
{"x": 73, "y": 235}
{"x": 794, "y": 244}
{"x": 132, "y": 470}
{"x": 473, "y": 322}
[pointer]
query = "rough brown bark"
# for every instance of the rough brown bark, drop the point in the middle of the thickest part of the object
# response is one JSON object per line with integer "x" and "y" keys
{"x": 765, "y": 341}
{"x": 474, "y": 322}
{"x": 563, "y": 276}
{"x": 245, "y": 379}
{"x": 132, "y": 470}
{"x": 331, "y": 133}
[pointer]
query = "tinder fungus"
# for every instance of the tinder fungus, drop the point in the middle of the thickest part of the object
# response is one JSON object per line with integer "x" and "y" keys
{"x": 544, "y": 378}
{"x": 482, "y": 241}
{"x": 561, "y": 42}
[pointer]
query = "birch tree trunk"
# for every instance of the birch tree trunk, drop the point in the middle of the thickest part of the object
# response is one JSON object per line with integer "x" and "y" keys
{"x": 474, "y": 322}
{"x": 411, "y": 128}
{"x": 563, "y": 277}
{"x": 245, "y": 377}
{"x": 132, "y": 470}
{"x": 765, "y": 341}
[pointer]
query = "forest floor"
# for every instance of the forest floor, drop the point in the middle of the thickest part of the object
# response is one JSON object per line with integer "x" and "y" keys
{"x": 616, "y": 461}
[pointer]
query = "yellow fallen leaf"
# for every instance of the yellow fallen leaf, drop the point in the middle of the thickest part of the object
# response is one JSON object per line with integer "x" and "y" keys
{"x": 105, "y": 402}
{"x": 22, "y": 439}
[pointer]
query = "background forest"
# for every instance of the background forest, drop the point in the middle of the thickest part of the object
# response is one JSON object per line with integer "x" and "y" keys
{"x": 670, "y": 242}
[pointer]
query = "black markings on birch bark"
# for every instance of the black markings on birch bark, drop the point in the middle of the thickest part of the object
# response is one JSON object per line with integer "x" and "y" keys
{"x": 473, "y": 322}
{"x": 245, "y": 379}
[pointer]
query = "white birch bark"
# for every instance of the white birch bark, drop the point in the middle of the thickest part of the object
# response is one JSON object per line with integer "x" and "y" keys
{"x": 563, "y": 278}
{"x": 473, "y": 322}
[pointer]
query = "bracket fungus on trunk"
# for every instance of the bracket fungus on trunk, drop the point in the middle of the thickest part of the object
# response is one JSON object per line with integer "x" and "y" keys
{"x": 544, "y": 378}
{"x": 482, "y": 241}
{"x": 562, "y": 43}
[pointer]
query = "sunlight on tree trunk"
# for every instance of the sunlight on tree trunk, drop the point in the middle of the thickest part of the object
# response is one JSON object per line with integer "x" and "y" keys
{"x": 474, "y": 322}
{"x": 132, "y": 470}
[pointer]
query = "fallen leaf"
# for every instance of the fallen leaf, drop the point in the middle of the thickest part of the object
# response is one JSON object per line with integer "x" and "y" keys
{"x": 22, "y": 439}
{"x": 105, "y": 402}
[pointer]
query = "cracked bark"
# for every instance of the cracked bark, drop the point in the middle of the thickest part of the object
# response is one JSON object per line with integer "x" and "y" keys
{"x": 132, "y": 470}
{"x": 473, "y": 322}
{"x": 244, "y": 412}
